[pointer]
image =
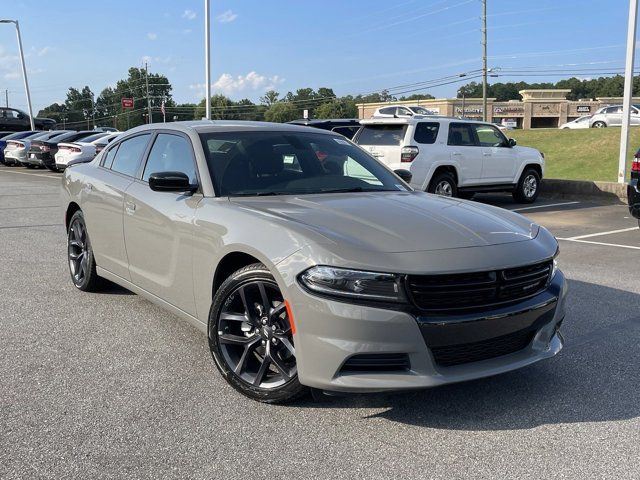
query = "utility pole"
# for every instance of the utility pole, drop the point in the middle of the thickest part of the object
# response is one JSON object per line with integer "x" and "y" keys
{"x": 93, "y": 111}
{"x": 207, "y": 60}
{"x": 6, "y": 98}
{"x": 146, "y": 69}
{"x": 484, "y": 60}
{"x": 628, "y": 90}
{"x": 24, "y": 70}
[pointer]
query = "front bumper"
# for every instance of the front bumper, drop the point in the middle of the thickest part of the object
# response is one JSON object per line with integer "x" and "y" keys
{"x": 633, "y": 194}
{"x": 329, "y": 332}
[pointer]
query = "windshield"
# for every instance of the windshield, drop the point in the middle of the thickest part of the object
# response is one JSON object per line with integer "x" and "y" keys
{"x": 281, "y": 163}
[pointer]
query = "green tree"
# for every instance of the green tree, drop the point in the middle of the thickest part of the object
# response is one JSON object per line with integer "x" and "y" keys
{"x": 269, "y": 98}
{"x": 282, "y": 112}
{"x": 340, "y": 108}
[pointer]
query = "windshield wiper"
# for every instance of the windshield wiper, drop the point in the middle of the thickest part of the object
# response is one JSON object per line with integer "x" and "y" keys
{"x": 256, "y": 194}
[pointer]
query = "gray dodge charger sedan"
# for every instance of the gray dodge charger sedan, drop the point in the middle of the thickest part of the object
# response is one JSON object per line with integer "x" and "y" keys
{"x": 309, "y": 264}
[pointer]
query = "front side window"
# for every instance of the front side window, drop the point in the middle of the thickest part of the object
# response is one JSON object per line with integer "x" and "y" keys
{"x": 291, "y": 163}
{"x": 171, "y": 153}
{"x": 426, "y": 132}
{"x": 489, "y": 136}
{"x": 389, "y": 135}
{"x": 129, "y": 154}
{"x": 461, "y": 135}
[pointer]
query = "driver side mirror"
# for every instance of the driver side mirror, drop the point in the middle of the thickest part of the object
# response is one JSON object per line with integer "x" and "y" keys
{"x": 405, "y": 175}
{"x": 171, "y": 182}
{"x": 512, "y": 142}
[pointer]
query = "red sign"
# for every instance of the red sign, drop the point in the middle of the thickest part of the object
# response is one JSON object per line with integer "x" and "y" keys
{"x": 127, "y": 103}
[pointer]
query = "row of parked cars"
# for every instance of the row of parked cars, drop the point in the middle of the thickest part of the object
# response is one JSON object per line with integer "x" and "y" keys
{"x": 609, "y": 116}
{"x": 455, "y": 157}
{"x": 53, "y": 149}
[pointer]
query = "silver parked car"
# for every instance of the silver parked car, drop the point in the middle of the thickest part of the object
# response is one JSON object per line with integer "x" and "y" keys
{"x": 308, "y": 263}
{"x": 612, "y": 116}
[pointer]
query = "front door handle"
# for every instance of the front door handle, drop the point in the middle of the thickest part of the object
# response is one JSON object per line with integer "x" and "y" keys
{"x": 486, "y": 154}
{"x": 457, "y": 154}
{"x": 130, "y": 207}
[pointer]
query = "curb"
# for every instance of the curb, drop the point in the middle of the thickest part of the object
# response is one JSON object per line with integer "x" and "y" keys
{"x": 581, "y": 188}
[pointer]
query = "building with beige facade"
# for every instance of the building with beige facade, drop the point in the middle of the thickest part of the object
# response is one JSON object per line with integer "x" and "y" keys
{"x": 547, "y": 108}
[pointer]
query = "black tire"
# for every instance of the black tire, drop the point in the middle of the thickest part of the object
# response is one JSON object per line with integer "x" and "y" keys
{"x": 29, "y": 166}
{"x": 528, "y": 186}
{"x": 244, "y": 336}
{"x": 466, "y": 195}
{"x": 443, "y": 184}
{"x": 82, "y": 265}
{"x": 52, "y": 168}
{"x": 599, "y": 124}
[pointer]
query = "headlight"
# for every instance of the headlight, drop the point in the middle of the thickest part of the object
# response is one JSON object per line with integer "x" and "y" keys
{"x": 356, "y": 284}
{"x": 554, "y": 268}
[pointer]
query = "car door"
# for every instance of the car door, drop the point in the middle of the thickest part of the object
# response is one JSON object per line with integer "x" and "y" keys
{"x": 158, "y": 226}
{"x": 614, "y": 116}
{"x": 465, "y": 153}
{"x": 498, "y": 158}
{"x": 103, "y": 202}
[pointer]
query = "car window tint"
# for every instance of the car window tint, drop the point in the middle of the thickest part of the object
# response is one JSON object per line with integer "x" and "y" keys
{"x": 108, "y": 158}
{"x": 129, "y": 154}
{"x": 460, "y": 134}
{"x": 171, "y": 153}
{"x": 489, "y": 136}
{"x": 426, "y": 132}
{"x": 348, "y": 132}
{"x": 382, "y": 134}
{"x": 388, "y": 110}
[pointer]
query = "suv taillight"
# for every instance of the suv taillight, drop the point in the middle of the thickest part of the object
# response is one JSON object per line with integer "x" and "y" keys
{"x": 408, "y": 154}
{"x": 635, "y": 166}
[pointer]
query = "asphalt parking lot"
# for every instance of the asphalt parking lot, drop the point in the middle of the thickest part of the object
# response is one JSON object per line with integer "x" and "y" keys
{"x": 110, "y": 386}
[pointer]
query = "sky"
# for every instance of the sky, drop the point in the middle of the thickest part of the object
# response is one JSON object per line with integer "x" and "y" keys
{"x": 352, "y": 46}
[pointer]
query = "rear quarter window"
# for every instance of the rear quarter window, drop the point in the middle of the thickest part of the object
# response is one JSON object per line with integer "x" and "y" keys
{"x": 382, "y": 135}
{"x": 426, "y": 132}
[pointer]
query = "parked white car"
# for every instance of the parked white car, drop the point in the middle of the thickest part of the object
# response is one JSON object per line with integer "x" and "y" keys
{"x": 454, "y": 157}
{"x": 86, "y": 149}
{"x": 580, "y": 122}
{"x": 393, "y": 111}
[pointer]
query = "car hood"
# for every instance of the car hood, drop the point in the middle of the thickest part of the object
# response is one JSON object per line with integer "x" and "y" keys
{"x": 394, "y": 222}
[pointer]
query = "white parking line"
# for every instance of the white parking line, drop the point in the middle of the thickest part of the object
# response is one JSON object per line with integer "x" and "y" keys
{"x": 600, "y": 243}
{"x": 32, "y": 174}
{"x": 610, "y": 232}
{"x": 543, "y": 206}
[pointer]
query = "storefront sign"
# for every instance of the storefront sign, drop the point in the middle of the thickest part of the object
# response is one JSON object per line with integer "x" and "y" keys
{"x": 472, "y": 109}
{"x": 583, "y": 109}
{"x": 502, "y": 110}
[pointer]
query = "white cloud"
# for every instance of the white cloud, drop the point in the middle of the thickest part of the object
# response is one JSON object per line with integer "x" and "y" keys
{"x": 230, "y": 85}
{"x": 156, "y": 60}
{"x": 189, "y": 14}
{"x": 152, "y": 36}
{"x": 227, "y": 17}
{"x": 11, "y": 75}
{"x": 44, "y": 51}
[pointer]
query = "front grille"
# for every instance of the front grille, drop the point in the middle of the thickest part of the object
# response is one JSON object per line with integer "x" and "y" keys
{"x": 376, "y": 362}
{"x": 478, "y": 290}
{"x": 449, "y": 356}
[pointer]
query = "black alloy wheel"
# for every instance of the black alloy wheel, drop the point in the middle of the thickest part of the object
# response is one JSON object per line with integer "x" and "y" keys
{"x": 82, "y": 265}
{"x": 251, "y": 338}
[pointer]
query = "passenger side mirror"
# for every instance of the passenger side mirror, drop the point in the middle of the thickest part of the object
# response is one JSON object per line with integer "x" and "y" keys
{"x": 170, "y": 182}
{"x": 512, "y": 142}
{"x": 405, "y": 175}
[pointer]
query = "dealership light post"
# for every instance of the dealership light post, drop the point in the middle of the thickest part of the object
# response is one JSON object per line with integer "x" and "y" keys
{"x": 484, "y": 60}
{"x": 207, "y": 60}
{"x": 628, "y": 90}
{"x": 24, "y": 70}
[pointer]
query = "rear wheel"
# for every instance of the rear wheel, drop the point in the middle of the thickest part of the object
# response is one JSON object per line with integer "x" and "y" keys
{"x": 443, "y": 184}
{"x": 52, "y": 168}
{"x": 599, "y": 124}
{"x": 251, "y": 339}
{"x": 82, "y": 265}
{"x": 528, "y": 187}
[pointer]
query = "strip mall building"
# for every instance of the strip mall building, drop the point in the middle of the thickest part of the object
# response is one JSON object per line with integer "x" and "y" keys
{"x": 537, "y": 109}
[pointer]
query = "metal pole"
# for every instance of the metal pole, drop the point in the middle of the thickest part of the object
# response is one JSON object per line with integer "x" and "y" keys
{"x": 6, "y": 98}
{"x": 93, "y": 111}
{"x": 24, "y": 76}
{"x": 484, "y": 60}
{"x": 146, "y": 69}
{"x": 463, "y": 102}
{"x": 207, "y": 60}
{"x": 628, "y": 90}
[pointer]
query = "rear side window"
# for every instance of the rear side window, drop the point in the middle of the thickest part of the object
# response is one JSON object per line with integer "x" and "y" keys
{"x": 382, "y": 135}
{"x": 348, "y": 132}
{"x": 461, "y": 134}
{"x": 388, "y": 111}
{"x": 108, "y": 159}
{"x": 426, "y": 132}
{"x": 129, "y": 154}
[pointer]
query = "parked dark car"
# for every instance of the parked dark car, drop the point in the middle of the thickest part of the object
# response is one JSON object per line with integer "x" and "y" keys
{"x": 347, "y": 127}
{"x": 633, "y": 189}
{"x": 4, "y": 134}
{"x": 42, "y": 153}
{"x": 17, "y": 121}
{"x": 13, "y": 136}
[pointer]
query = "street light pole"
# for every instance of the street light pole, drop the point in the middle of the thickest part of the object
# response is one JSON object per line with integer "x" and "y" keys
{"x": 628, "y": 90}
{"x": 484, "y": 60}
{"x": 24, "y": 70}
{"x": 207, "y": 60}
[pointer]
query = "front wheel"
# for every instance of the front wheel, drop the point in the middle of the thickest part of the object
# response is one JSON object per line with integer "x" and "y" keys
{"x": 599, "y": 125}
{"x": 443, "y": 184}
{"x": 251, "y": 338}
{"x": 528, "y": 187}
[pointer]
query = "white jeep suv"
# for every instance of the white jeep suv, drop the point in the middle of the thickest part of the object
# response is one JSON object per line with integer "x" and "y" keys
{"x": 454, "y": 157}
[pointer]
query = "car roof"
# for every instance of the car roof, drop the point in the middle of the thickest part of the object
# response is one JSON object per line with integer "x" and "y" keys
{"x": 209, "y": 126}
